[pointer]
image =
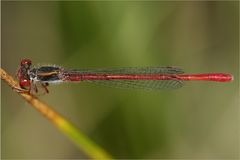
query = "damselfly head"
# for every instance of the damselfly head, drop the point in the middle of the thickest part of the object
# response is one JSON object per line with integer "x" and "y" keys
{"x": 26, "y": 62}
{"x": 23, "y": 73}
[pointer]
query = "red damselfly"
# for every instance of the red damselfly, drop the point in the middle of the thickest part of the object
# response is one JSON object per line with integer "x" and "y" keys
{"x": 153, "y": 78}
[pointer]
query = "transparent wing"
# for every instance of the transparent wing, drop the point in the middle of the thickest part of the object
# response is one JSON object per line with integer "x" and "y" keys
{"x": 131, "y": 70}
{"x": 141, "y": 84}
{"x": 137, "y": 84}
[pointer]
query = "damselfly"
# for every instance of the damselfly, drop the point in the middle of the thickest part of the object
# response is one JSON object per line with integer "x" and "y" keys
{"x": 153, "y": 78}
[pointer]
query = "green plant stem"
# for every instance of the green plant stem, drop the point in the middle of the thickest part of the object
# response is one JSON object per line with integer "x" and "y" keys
{"x": 84, "y": 143}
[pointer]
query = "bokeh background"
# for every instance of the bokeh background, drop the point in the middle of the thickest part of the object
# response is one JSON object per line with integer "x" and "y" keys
{"x": 200, "y": 120}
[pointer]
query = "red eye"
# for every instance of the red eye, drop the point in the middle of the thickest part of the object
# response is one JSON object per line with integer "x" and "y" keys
{"x": 24, "y": 83}
{"x": 26, "y": 61}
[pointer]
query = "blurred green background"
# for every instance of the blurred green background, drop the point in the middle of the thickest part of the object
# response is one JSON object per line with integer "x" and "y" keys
{"x": 200, "y": 120}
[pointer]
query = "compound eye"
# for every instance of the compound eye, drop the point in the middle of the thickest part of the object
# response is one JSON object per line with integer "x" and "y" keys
{"x": 24, "y": 83}
{"x": 26, "y": 62}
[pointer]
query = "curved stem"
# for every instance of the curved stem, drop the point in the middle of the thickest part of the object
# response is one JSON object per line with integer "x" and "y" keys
{"x": 84, "y": 143}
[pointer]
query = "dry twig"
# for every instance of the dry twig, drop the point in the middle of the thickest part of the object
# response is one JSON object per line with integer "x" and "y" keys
{"x": 83, "y": 142}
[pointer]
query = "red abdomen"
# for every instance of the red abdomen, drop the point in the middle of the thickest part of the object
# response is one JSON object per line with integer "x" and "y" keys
{"x": 217, "y": 77}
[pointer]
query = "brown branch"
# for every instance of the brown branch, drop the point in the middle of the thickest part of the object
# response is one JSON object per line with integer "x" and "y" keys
{"x": 32, "y": 100}
{"x": 83, "y": 142}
